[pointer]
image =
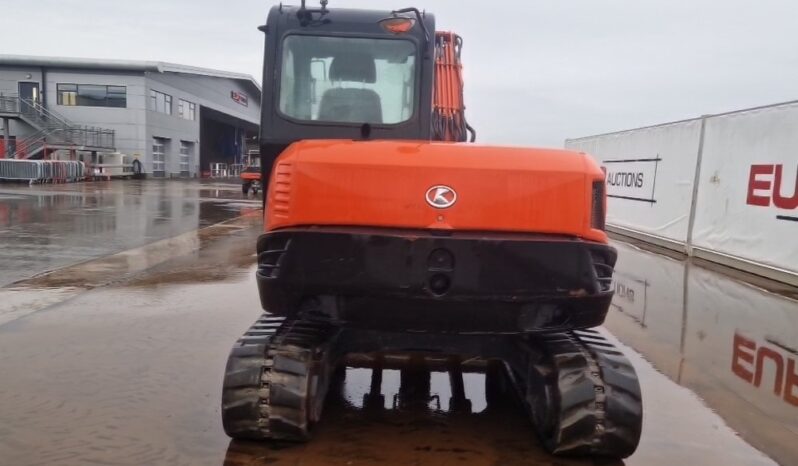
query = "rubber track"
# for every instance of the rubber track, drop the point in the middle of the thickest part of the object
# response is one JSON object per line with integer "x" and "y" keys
{"x": 276, "y": 379}
{"x": 596, "y": 402}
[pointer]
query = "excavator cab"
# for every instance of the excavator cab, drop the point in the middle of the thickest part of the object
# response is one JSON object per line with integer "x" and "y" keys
{"x": 345, "y": 74}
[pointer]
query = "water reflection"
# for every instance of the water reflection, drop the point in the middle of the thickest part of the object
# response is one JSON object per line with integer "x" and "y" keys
{"x": 50, "y": 226}
{"x": 732, "y": 343}
{"x": 399, "y": 409}
{"x": 416, "y": 386}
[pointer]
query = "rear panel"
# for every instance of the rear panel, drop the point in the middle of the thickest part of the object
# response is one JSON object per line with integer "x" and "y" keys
{"x": 438, "y": 186}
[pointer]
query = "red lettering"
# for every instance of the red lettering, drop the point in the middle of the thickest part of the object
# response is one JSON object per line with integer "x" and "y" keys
{"x": 785, "y": 383}
{"x": 754, "y": 184}
{"x": 788, "y": 203}
{"x": 791, "y": 383}
{"x": 763, "y": 353}
{"x": 739, "y": 353}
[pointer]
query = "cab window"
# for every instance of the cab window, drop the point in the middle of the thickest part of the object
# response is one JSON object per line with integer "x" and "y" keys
{"x": 348, "y": 80}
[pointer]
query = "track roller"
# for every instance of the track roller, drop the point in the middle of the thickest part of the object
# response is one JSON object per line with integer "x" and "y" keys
{"x": 276, "y": 379}
{"x": 583, "y": 396}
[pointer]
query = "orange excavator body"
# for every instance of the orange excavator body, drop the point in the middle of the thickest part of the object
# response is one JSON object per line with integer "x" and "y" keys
{"x": 386, "y": 233}
{"x": 250, "y": 175}
{"x": 378, "y": 212}
{"x": 384, "y": 184}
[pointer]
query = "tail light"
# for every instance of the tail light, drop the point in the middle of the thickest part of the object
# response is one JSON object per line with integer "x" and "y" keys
{"x": 598, "y": 215}
{"x": 398, "y": 24}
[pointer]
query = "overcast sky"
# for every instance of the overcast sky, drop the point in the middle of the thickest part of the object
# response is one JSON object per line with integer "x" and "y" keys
{"x": 536, "y": 71}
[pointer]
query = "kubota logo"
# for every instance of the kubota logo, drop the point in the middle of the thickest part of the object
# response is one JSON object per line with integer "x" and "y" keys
{"x": 441, "y": 196}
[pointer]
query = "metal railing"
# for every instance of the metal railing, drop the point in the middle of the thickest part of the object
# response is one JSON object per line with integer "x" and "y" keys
{"x": 29, "y": 147}
{"x": 53, "y": 128}
{"x": 91, "y": 137}
{"x": 63, "y": 129}
{"x": 235, "y": 170}
{"x": 218, "y": 170}
{"x": 9, "y": 104}
{"x": 43, "y": 117}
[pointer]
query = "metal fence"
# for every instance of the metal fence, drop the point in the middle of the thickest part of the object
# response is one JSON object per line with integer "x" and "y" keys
{"x": 42, "y": 171}
{"x": 235, "y": 170}
{"x": 219, "y": 170}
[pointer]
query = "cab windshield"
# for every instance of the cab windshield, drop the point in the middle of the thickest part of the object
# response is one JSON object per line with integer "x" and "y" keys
{"x": 348, "y": 80}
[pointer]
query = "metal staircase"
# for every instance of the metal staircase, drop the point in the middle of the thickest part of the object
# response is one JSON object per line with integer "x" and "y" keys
{"x": 52, "y": 130}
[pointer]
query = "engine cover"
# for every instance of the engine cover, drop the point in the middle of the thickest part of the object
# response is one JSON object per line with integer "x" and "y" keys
{"x": 435, "y": 186}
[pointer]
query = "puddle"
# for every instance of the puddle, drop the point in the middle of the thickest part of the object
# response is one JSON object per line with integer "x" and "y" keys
{"x": 45, "y": 227}
{"x": 730, "y": 342}
{"x": 131, "y": 374}
{"x": 219, "y": 252}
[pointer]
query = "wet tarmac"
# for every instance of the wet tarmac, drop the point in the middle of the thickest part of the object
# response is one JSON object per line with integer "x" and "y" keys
{"x": 731, "y": 342}
{"x": 129, "y": 373}
{"x": 43, "y": 227}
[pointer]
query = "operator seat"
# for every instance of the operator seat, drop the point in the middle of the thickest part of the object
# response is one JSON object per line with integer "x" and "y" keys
{"x": 352, "y": 105}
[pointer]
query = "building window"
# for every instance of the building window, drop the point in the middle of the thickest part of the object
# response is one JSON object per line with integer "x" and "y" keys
{"x": 67, "y": 94}
{"x": 187, "y": 110}
{"x": 159, "y": 157}
{"x": 186, "y": 150}
{"x": 91, "y": 95}
{"x": 117, "y": 95}
{"x": 160, "y": 102}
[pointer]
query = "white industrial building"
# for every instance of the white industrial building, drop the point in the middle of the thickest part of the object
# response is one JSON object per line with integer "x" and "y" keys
{"x": 173, "y": 120}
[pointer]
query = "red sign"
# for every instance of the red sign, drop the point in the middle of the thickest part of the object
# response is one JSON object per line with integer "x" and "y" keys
{"x": 239, "y": 98}
{"x": 765, "y": 187}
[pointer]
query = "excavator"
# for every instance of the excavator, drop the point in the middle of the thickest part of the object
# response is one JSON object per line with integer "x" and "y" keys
{"x": 388, "y": 231}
